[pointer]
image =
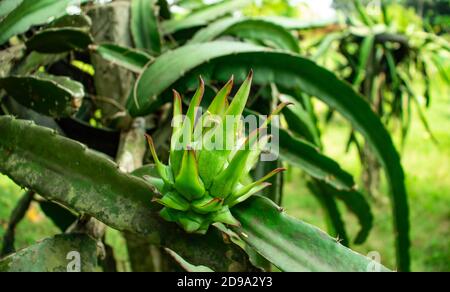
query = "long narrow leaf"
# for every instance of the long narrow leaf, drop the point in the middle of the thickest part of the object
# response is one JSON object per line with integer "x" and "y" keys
{"x": 259, "y": 30}
{"x": 356, "y": 203}
{"x": 306, "y": 156}
{"x": 144, "y": 25}
{"x": 128, "y": 58}
{"x": 336, "y": 225}
{"x": 60, "y": 40}
{"x": 29, "y": 13}
{"x": 6, "y": 6}
{"x": 203, "y": 16}
{"x": 364, "y": 55}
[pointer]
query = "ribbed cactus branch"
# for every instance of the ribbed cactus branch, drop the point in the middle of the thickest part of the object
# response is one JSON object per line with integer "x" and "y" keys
{"x": 53, "y": 96}
{"x": 67, "y": 172}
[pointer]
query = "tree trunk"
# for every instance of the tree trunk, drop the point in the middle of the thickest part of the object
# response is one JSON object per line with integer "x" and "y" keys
{"x": 111, "y": 24}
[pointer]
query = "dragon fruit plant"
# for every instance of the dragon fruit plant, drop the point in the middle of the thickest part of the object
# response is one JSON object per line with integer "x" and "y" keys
{"x": 201, "y": 184}
{"x": 73, "y": 119}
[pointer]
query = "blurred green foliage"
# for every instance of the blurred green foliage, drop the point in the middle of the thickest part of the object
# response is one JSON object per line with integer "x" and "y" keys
{"x": 428, "y": 183}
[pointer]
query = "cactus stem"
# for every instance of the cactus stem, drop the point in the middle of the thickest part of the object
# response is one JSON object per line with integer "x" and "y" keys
{"x": 162, "y": 169}
{"x": 220, "y": 103}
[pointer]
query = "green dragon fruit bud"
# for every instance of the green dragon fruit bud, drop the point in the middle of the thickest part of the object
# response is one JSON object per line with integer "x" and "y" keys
{"x": 200, "y": 184}
{"x": 188, "y": 182}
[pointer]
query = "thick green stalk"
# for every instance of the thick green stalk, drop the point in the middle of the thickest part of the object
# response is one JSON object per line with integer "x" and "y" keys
{"x": 62, "y": 253}
{"x": 89, "y": 182}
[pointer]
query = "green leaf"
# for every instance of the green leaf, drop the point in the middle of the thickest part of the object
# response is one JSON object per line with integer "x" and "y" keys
{"x": 6, "y": 6}
{"x": 90, "y": 183}
{"x": 302, "y": 154}
{"x": 145, "y": 98}
{"x": 412, "y": 96}
{"x": 35, "y": 60}
{"x": 325, "y": 44}
{"x": 203, "y": 16}
{"x": 59, "y": 40}
{"x": 358, "y": 205}
{"x": 218, "y": 60}
{"x": 220, "y": 103}
{"x": 185, "y": 265}
{"x": 293, "y": 245}
{"x": 365, "y": 18}
{"x": 127, "y": 58}
{"x": 54, "y": 255}
{"x": 224, "y": 183}
{"x": 212, "y": 161}
{"x": 335, "y": 224}
{"x": 259, "y": 30}
{"x": 174, "y": 201}
{"x": 439, "y": 63}
{"x": 76, "y": 20}
{"x": 300, "y": 121}
{"x": 188, "y": 181}
{"x": 207, "y": 204}
{"x": 28, "y": 14}
{"x": 354, "y": 201}
{"x": 364, "y": 55}
{"x": 144, "y": 25}
{"x": 54, "y": 96}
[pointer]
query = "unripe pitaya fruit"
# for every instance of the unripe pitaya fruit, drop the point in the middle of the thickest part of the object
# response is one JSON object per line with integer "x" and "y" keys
{"x": 200, "y": 185}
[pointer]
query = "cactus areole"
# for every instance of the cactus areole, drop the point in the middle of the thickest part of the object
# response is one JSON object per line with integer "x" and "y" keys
{"x": 209, "y": 161}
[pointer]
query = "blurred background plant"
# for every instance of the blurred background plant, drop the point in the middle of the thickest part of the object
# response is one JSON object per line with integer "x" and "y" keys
{"x": 387, "y": 53}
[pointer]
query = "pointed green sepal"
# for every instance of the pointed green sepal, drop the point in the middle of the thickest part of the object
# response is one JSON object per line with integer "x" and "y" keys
{"x": 207, "y": 204}
{"x": 190, "y": 119}
{"x": 176, "y": 152}
{"x": 157, "y": 183}
{"x": 177, "y": 114}
{"x": 188, "y": 182}
{"x": 225, "y": 216}
{"x": 226, "y": 181}
{"x": 237, "y": 106}
{"x": 244, "y": 196}
{"x": 277, "y": 110}
{"x": 220, "y": 104}
{"x": 207, "y": 123}
{"x": 248, "y": 188}
{"x": 164, "y": 171}
{"x": 210, "y": 163}
{"x": 191, "y": 222}
{"x": 174, "y": 201}
{"x": 255, "y": 152}
{"x": 169, "y": 215}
